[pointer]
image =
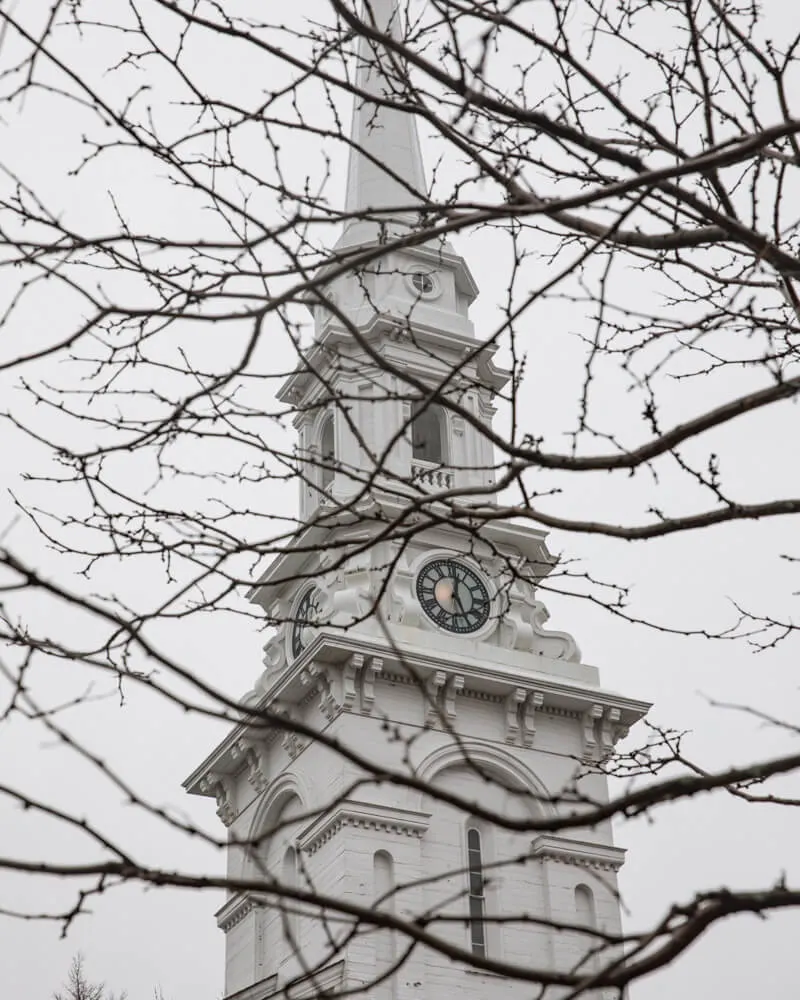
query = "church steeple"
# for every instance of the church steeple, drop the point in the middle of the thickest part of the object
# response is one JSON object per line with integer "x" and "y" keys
{"x": 385, "y": 168}
{"x": 423, "y": 652}
{"x": 411, "y": 302}
{"x": 423, "y": 286}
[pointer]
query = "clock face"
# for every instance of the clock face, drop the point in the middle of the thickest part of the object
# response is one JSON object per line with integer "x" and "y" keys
{"x": 453, "y": 595}
{"x": 305, "y": 618}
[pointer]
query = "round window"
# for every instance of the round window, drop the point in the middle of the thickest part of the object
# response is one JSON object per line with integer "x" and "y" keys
{"x": 424, "y": 284}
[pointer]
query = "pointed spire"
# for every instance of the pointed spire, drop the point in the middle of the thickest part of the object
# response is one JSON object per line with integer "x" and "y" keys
{"x": 380, "y": 135}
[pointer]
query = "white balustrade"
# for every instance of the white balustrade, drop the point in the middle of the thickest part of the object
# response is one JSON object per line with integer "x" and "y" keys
{"x": 432, "y": 477}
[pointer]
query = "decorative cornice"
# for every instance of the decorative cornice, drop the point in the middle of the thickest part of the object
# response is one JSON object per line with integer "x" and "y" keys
{"x": 352, "y": 658}
{"x": 400, "y": 678}
{"x": 237, "y": 908}
{"x": 221, "y": 787}
{"x": 602, "y": 728}
{"x": 513, "y": 701}
{"x": 365, "y": 816}
{"x": 262, "y": 990}
{"x": 574, "y": 695}
{"x": 293, "y": 744}
{"x": 534, "y": 702}
{"x": 252, "y": 752}
{"x": 454, "y": 686}
{"x": 433, "y": 686}
{"x": 322, "y": 983}
{"x": 581, "y": 853}
{"x": 564, "y": 713}
{"x": 372, "y": 670}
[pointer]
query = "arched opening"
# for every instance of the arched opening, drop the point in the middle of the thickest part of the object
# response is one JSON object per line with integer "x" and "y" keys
{"x": 385, "y": 947}
{"x": 279, "y": 922}
{"x": 514, "y": 791}
{"x": 496, "y": 877}
{"x": 585, "y": 916}
{"x": 327, "y": 451}
{"x": 383, "y": 871}
{"x": 584, "y": 907}
{"x": 477, "y": 901}
{"x": 427, "y": 433}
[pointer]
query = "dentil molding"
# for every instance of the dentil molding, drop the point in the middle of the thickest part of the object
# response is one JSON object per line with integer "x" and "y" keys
{"x": 580, "y": 853}
{"x": 364, "y": 816}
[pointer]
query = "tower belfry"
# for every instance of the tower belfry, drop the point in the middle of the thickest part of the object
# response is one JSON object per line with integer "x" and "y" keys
{"x": 424, "y": 652}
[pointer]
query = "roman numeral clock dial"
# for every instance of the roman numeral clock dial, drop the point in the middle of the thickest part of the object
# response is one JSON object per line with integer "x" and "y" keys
{"x": 305, "y": 618}
{"x": 453, "y": 595}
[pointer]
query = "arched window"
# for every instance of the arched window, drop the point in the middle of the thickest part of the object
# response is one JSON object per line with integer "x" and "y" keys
{"x": 385, "y": 947}
{"x": 327, "y": 450}
{"x": 477, "y": 902}
{"x": 585, "y": 916}
{"x": 384, "y": 879}
{"x": 584, "y": 907}
{"x": 427, "y": 432}
{"x": 279, "y": 926}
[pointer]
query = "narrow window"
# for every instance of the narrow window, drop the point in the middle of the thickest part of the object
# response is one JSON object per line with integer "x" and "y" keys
{"x": 477, "y": 929}
{"x": 289, "y": 878}
{"x": 385, "y": 947}
{"x": 290, "y": 868}
{"x": 327, "y": 449}
{"x": 426, "y": 433}
{"x": 384, "y": 879}
{"x": 585, "y": 916}
{"x": 584, "y": 907}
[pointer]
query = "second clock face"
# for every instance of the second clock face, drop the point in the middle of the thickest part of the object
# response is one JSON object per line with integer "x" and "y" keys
{"x": 453, "y": 595}
{"x": 305, "y": 618}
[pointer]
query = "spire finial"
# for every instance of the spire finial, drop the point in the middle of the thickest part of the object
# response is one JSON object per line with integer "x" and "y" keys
{"x": 380, "y": 135}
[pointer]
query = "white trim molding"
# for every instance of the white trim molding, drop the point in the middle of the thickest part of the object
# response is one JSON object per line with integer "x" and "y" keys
{"x": 365, "y": 816}
{"x": 234, "y": 910}
{"x": 326, "y": 982}
{"x": 264, "y": 989}
{"x": 315, "y": 984}
{"x": 581, "y": 853}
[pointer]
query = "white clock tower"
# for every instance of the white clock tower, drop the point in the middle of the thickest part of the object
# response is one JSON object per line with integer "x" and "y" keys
{"x": 413, "y": 643}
